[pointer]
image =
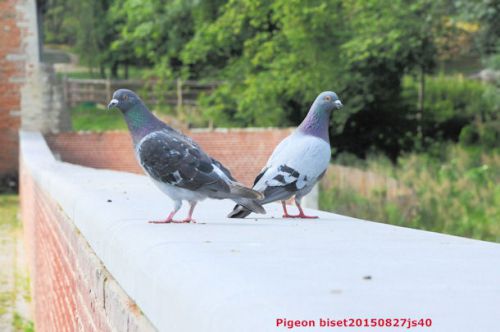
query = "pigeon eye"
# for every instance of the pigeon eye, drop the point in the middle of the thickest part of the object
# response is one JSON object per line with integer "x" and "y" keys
{"x": 328, "y": 98}
{"x": 125, "y": 97}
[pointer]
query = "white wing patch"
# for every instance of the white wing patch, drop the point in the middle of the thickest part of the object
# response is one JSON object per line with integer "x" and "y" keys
{"x": 177, "y": 177}
{"x": 299, "y": 159}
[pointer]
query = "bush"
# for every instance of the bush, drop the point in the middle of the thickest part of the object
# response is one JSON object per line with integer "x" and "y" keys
{"x": 484, "y": 134}
{"x": 450, "y": 104}
{"x": 458, "y": 196}
{"x": 469, "y": 135}
{"x": 456, "y": 193}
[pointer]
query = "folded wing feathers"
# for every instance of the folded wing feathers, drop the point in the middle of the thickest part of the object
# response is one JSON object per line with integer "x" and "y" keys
{"x": 240, "y": 190}
{"x": 173, "y": 158}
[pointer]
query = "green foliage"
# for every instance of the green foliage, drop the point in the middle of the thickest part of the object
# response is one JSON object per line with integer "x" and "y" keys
{"x": 89, "y": 117}
{"x": 134, "y": 72}
{"x": 483, "y": 134}
{"x": 90, "y": 28}
{"x": 493, "y": 61}
{"x": 22, "y": 325}
{"x": 156, "y": 30}
{"x": 452, "y": 104}
{"x": 485, "y": 12}
{"x": 10, "y": 227}
{"x": 469, "y": 135}
{"x": 448, "y": 97}
{"x": 274, "y": 57}
{"x": 9, "y": 206}
{"x": 59, "y": 27}
{"x": 153, "y": 33}
{"x": 375, "y": 207}
{"x": 456, "y": 192}
{"x": 277, "y": 56}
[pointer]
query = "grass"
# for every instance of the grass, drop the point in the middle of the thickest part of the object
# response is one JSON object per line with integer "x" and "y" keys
{"x": 376, "y": 206}
{"x": 10, "y": 225}
{"x": 91, "y": 117}
{"x": 9, "y": 205}
{"x": 456, "y": 190}
{"x": 133, "y": 73}
{"x": 21, "y": 324}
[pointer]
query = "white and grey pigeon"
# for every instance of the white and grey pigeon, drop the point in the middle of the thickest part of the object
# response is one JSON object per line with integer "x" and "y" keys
{"x": 299, "y": 161}
{"x": 175, "y": 163}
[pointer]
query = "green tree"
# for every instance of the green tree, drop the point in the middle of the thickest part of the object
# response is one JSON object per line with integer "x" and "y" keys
{"x": 89, "y": 27}
{"x": 276, "y": 56}
{"x": 272, "y": 55}
{"x": 486, "y": 13}
{"x": 58, "y": 26}
{"x": 157, "y": 30}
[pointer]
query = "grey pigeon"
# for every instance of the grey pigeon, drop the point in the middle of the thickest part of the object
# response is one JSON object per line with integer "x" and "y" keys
{"x": 299, "y": 161}
{"x": 175, "y": 163}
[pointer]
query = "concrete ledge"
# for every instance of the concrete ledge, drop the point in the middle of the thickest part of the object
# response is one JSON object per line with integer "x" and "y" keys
{"x": 71, "y": 288}
{"x": 243, "y": 275}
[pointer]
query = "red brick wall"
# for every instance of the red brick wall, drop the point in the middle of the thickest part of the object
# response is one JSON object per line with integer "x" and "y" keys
{"x": 244, "y": 152}
{"x": 111, "y": 150}
{"x": 11, "y": 77}
{"x": 72, "y": 291}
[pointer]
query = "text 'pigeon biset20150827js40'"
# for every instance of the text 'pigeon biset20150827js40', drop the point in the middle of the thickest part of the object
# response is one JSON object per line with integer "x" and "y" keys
{"x": 177, "y": 164}
{"x": 299, "y": 161}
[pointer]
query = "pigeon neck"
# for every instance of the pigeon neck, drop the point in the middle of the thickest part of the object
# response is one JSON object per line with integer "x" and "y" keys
{"x": 141, "y": 122}
{"x": 316, "y": 124}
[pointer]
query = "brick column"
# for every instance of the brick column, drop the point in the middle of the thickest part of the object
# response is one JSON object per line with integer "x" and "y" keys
{"x": 12, "y": 74}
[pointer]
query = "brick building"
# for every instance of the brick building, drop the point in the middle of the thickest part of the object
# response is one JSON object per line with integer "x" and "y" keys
{"x": 28, "y": 95}
{"x": 12, "y": 77}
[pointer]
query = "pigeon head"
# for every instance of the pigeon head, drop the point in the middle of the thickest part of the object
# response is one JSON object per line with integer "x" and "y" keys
{"x": 124, "y": 100}
{"x": 318, "y": 118}
{"x": 326, "y": 102}
{"x": 139, "y": 119}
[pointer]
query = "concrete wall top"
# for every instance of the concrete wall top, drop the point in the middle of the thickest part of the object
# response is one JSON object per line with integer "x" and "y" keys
{"x": 243, "y": 275}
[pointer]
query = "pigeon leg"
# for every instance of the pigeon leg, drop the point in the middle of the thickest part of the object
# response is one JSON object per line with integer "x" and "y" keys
{"x": 301, "y": 212}
{"x": 177, "y": 206}
{"x": 190, "y": 215}
{"x": 285, "y": 212}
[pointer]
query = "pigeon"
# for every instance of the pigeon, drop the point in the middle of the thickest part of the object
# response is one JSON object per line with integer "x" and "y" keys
{"x": 176, "y": 164}
{"x": 299, "y": 161}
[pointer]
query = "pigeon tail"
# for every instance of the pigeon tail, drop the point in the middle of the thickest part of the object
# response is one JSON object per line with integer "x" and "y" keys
{"x": 244, "y": 207}
{"x": 244, "y": 192}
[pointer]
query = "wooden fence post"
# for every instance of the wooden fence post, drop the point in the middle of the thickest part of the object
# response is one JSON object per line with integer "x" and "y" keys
{"x": 108, "y": 89}
{"x": 179, "y": 96}
{"x": 65, "y": 83}
{"x": 95, "y": 90}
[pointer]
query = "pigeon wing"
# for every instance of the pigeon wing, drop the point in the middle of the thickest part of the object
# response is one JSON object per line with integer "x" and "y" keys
{"x": 172, "y": 158}
{"x": 297, "y": 162}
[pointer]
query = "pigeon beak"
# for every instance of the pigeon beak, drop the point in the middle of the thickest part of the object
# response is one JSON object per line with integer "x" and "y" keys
{"x": 112, "y": 103}
{"x": 338, "y": 104}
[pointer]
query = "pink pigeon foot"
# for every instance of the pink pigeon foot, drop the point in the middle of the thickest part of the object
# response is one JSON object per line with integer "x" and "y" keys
{"x": 166, "y": 221}
{"x": 285, "y": 212}
{"x": 170, "y": 218}
{"x": 186, "y": 221}
{"x": 301, "y": 214}
{"x": 171, "y": 221}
